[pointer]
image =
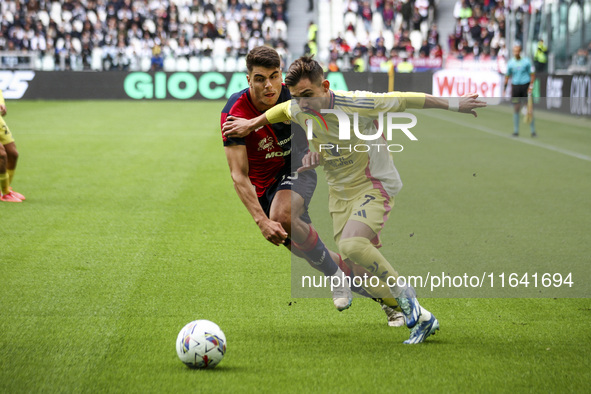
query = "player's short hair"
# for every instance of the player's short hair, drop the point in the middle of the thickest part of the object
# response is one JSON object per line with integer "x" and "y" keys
{"x": 262, "y": 56}
{"x": 304, "y": 67}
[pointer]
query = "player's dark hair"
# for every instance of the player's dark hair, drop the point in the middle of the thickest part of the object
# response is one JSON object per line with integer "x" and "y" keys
{"x": 262, "y": 57}
{"x": 304, "y": 67}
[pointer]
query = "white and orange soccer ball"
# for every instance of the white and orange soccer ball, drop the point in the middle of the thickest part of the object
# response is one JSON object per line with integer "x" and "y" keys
{"x": 201, "y": 344}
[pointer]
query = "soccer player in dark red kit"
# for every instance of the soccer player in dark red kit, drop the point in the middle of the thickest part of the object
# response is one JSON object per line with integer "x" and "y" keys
{"x": 260, "y": 165}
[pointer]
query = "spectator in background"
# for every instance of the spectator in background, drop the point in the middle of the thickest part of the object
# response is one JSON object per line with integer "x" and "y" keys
{"x": 358, "y": 63}
{"x": 465, "y": 11}
{"x": 366, "y": 14}
{"x": 388, "y": 15}
{"x": 422, "y": 10}
{"x": 312, "y": 31}
{"x": 390, "y": 65}
{"x": 433, "y": 35}
{"x": 3, "y": 40}
{"x": 580, "y": 61}
{"x": 256, "y": 40}
{"x": 352, "y": 6}
{"x": 157, "y": 61}
{"x": 404, "y": 66}
{"x": 86, "y": 55}
{"x": 456, "y": 36}
{"x": 541, "y": 57}
{"x": 243, "y": 48}
{"x": 281, "y": 49}
{"x": 121, "y": 60}
{"x": 332, "y": 65}
{"x": 425, "y": 49}
{"x": 406, "y": 11}
{"x": 376, "y": 60}
{"x": 310, "y": 49}
{"x": 379, "y": 45}
{"x": 436, "y": 52}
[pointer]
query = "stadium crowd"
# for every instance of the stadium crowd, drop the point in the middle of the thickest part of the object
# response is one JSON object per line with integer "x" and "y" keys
{"x": 381, "y": 34}
{"x": 199, "y": 35}
{"x": 140, "y": 34}
{"x": 479, "y": 28}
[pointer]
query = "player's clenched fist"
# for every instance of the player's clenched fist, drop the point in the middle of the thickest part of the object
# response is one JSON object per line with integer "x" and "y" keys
{"x": 273, "y": 231}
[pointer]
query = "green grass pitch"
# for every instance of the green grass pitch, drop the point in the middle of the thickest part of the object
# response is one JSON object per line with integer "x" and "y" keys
{"x": 132, "y": 228}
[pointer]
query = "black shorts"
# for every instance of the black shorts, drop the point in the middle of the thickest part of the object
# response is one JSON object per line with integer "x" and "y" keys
{"x": 303, "y": 184}
{"x": 519, "y": 93}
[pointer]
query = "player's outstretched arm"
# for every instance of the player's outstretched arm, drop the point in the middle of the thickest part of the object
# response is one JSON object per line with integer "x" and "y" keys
{"x": 467, "y": 104}
{"x": 238, "y": 162}
{"x": 240, "y": 127}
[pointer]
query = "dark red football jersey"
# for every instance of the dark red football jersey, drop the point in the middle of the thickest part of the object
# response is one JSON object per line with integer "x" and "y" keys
{"x": 268, "y": 148}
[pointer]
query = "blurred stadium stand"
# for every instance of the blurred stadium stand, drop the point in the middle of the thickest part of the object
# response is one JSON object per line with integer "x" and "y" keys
{"x": 359, "y": 35}
{"x": 134, "y": 35}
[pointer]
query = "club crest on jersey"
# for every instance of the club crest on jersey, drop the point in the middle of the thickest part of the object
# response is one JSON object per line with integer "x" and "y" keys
{"x": 266, "y": 143}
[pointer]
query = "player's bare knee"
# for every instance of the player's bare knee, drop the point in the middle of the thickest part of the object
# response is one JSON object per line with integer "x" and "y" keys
{"x": 3, "y": 160}
{"x": 12, "y": 154}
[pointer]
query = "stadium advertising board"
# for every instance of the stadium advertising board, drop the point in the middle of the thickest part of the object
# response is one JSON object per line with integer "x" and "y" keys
{"x": 42, "y": 85}
{"x": 455, "y": 83}
{"x": 14, "y": 84}
{"x": 567, "y": 93}
{"x": 554, "y": 87}
{"x": 214, "y": 85}
{"x": 580, "y": 94}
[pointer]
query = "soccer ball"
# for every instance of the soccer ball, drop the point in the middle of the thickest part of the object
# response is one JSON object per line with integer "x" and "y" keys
{"x": 201, "y": 344}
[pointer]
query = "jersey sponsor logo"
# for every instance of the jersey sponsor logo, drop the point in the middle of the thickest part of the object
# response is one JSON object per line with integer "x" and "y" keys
{"x": 285, "y": 141}
{"x": 331, "y": 165}
{"x": 278, "y": 154}
{"x": 266, "y": 143}
{"x": 14, "y": 84}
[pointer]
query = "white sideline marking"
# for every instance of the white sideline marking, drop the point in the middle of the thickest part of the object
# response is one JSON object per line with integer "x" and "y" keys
{"x": 505, "y": 135}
